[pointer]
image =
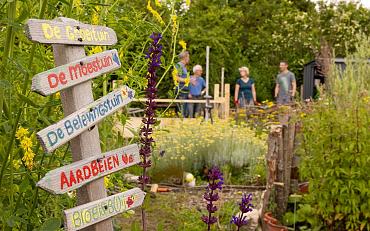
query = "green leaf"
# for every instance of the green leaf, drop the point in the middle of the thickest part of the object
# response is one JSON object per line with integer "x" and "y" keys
{"x": 51, "y": 224}
{"x": 27, "y": 101}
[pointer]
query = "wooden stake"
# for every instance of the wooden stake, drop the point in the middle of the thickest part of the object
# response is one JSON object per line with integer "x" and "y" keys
{"x": 227, "y": 100}
{"x": 88, "y": 143}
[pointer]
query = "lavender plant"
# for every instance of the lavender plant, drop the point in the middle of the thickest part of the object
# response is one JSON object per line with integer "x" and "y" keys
{"x": 216, "y": 181}
{"x": 154, "y": 54}
{"x": 245, "y": 206}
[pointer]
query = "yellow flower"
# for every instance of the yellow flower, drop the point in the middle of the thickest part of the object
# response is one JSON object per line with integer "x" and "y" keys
{"x": 107, "y": 182}
{"x": 188, "y": 2}
{"x": 182, "y": 157}
{"x": 26, "y": 143}
{"x": 155, "y": 13}
{"x": 174, "y": 76}
{"x": 95, "y": 19}
{"x": 182, "y": 44}
{"x": 21, "y": 133}
{"x": 174, "y": 23}
{"x": 95, "y": 50}
{"x": 28, "y": 158}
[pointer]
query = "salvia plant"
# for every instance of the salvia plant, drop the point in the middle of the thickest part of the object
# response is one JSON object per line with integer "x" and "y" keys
{"x": 245, "y": 207}
{"x": 146, "y": 139}
{"x": 216, "y": 181}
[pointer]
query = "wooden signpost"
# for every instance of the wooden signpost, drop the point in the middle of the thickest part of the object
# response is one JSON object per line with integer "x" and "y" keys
{"x": 65, "y": 76}
{"x": 73, "y": 176}
{"x": 73, "y": 125}
{"x": 72, "y": 77}
{"x": 69, "y": 31}
{"x": 85, "y": 215}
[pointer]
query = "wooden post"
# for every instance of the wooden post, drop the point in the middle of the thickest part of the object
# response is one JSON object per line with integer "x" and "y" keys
{"x": 216, "y": 96}
{"x": 227, "y": 100}
{"x": 88, "y": 143}
{"x": 207, "y": 70}
{"x": 222, "y": 82}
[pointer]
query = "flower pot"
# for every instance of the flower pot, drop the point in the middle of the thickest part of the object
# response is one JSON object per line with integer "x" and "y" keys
{"x": 272, "y": 224}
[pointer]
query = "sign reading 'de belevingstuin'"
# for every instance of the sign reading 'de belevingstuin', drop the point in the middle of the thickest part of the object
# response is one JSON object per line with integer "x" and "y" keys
{"x": 74, "y": 124}
{"x": 76, "y": 174}
{"x": 70, "y": 32}
{"x": 91, "y": 213}
{"x": 76, "y": 72}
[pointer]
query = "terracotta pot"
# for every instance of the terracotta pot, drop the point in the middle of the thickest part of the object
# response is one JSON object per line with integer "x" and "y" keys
{"x": 275, "y": 227}
{"x": 272, "y": 224}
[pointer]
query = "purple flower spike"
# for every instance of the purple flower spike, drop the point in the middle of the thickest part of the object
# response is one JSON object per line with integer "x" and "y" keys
{"x": 215, "y": 181}
{"x": 154, "y": 62}
{"x": 245, "y": 206}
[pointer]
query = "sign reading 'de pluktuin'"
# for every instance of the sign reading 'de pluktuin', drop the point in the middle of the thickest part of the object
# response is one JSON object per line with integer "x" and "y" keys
{"x": 73, "y": 125}
{"x": 70, "y": 32}
{"x": 68, "y": 75}
{"x": 73, "y": 176}
{"x": 85, "y": 215}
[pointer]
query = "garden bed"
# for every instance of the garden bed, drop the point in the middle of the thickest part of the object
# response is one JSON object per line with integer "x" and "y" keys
{"x": 182, "y": 208}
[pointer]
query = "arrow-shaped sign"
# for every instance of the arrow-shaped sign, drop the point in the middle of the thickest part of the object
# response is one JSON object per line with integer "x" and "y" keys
{"x": 68, "y": 75}
{"x": 73, "y": 125}
{"x": 88, "y": 214}
{"x": 77, "y": 174}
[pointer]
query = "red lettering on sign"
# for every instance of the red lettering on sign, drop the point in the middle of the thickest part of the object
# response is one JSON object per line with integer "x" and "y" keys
{"x": 87, "y": 172}
{"x": 129, "y": 202}
{"x": 63, "y": 180}
{"x": 79, "y": 176}
{"x": 94, "y": 168}
{"x": 72, "y": 179}
{"x": 53, "y": 80}
{"x": 110, "y": 167}
{"x": 101, "y": 167}
{"x": 125, "y": 158}
{"x": 115, "y": 161}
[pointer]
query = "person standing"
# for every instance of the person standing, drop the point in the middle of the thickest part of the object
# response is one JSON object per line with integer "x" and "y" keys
{"x": 285, "y": 88}
{"x": 196, "y": 89}
{"x": 245, "y": 92}
{"x": 182, "y": 76}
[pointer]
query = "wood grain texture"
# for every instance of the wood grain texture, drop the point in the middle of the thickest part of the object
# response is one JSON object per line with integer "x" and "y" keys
{"x": 79, "y": 173}
{"x": 97, "y": 211}
{"x": 74, "y": 124}
{"x": 76, "y": 72}
{"x": 68, "y": 31}
{"x": 87, "y": 143}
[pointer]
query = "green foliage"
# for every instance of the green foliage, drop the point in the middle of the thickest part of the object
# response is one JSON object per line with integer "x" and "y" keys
{"x": 335, "y": 147}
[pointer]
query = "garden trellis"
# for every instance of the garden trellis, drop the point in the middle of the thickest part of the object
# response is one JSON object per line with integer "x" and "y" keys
{"x": 72, "y": 77}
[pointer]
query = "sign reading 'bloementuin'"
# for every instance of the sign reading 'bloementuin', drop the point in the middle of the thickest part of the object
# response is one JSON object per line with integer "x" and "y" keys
{"x": 71, "y": 126}
{"x": 61, "y": 77}
{"x": 69, "y": 32}
{"x": 73, "y": 176}
{"x": 85, "y": 215}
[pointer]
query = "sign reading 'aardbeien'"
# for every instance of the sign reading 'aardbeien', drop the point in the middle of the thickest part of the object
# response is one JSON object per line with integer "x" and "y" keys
{"x": 85, "y": 215}
{"x": 73, "y": 176}
{"x": 70, "y": 32}
{"x": 73, "y": 125}
{"x": 61, "y": 77}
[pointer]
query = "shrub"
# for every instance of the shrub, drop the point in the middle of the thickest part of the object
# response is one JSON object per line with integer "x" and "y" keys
{"x": 335, "y": 148}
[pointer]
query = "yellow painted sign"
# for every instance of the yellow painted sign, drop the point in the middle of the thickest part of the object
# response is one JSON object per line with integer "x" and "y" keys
{"x": 69, "y": 32}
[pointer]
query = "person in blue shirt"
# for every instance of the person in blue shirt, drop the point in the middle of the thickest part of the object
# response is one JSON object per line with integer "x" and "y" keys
{"x": 245, "y": 92}
{"x": 196, "y": 89}
{"x": 182, "y": 89}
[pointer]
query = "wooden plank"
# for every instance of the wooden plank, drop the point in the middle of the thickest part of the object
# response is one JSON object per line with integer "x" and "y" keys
{"x": 227, "y": 100}
{"x": 71, "y": 126}
{"x": 76, "y": 72}
{"x": 68, "y": 31}
{"x": 216, "y": 96}
{"x": 85, "y": 215}
{"x": 73, "y": 176}
{"x": 88, "y": 142}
